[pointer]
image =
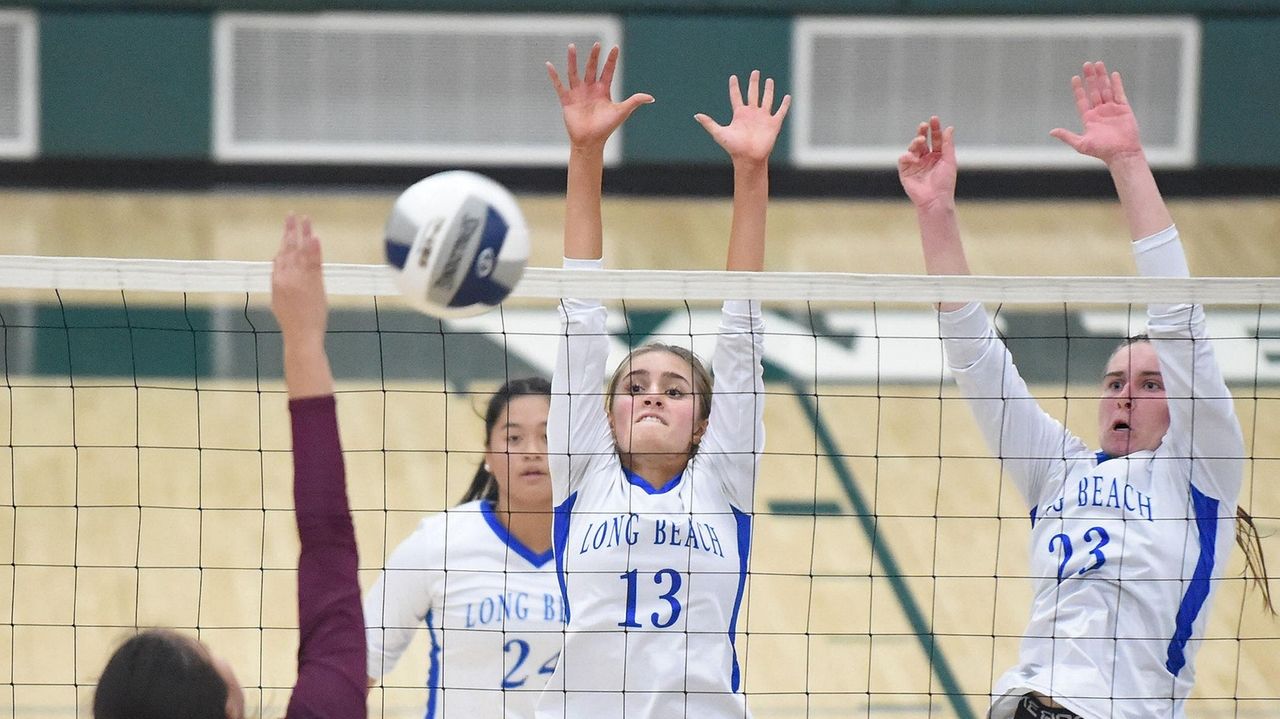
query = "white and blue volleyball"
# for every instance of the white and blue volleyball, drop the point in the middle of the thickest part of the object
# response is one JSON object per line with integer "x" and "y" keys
{"x": 456, "y": 243}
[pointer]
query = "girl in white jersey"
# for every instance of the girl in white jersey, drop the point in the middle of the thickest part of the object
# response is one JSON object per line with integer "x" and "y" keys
{"x": 653, "y": 482}
{"x": 480, "y": 577}
{"x": 1126, "y": 542}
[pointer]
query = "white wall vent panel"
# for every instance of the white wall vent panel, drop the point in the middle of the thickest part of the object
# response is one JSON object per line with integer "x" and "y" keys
{"x": 396, "y": 88}
{"x": 862, "y": 86}
{"x": 19, "y": 118}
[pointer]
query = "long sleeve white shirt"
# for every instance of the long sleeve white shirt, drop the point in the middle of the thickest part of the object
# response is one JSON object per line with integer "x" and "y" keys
{"x": 1125, "y": 552}
{"x": 653, "y": 579}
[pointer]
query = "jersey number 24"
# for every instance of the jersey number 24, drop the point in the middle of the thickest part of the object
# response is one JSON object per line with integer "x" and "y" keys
{"x": 516, "y": 676}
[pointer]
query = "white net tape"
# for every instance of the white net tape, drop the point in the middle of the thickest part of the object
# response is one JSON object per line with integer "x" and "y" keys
{"x": 95, "y": 273}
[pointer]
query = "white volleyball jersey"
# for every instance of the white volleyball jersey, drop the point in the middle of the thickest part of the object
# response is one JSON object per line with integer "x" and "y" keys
{"x": 489, "y": 606}
{"x": 653, "y": 579}
{"x": 1125, "y": 551}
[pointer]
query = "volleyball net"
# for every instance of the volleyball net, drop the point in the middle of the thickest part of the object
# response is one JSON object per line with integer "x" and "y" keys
{"x": 146, "y": 447}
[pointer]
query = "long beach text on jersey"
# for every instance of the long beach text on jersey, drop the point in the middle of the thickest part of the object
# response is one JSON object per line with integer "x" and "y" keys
{"x": 1098, "y": 490}
{"x": 507, "y": 606}
{"x": 676, "y": 532}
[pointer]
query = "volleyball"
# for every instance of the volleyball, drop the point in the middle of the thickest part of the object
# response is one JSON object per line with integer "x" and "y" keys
{"x": 456, "y": 243}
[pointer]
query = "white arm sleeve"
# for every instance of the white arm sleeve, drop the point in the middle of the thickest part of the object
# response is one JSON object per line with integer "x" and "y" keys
{"x": 397, "y": 604}
{"x": 578, "y": 435}
{"x": 1203, "y": 427}
{"x": 1028, "y": 441}
{"x": 734, "y": 439}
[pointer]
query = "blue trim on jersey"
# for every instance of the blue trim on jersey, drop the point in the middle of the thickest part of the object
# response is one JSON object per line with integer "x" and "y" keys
{"x": 1033, "y": 515}
{"x": 1206, "y": 511}
{"x": 1103, "y": 456}
{"x": 433, "y": 673}
{"x": 640, "y": 482}
{"x": 560, "y": 540}
{"x": 490, "y": 516}
{"x": 743, "y": 521}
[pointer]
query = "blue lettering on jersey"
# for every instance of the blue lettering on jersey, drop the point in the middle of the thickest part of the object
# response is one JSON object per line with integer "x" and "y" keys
{"x": 1039, "y": 513}
{"x": 624, "y": 530}
{"x": 714, "y": 546}
{"x": 511, "y": 605}
{"x": 611, "y": 532}
{"x": 696, "y": 535}
{"x": 554, "y": 609}
{"x": 1097, "y": 491}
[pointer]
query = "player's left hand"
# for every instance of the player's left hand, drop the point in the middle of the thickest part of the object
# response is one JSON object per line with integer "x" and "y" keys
{"x": 1110, "y": 129}
{"x": 753, "y": 130}
{"x": 297, "y": 283}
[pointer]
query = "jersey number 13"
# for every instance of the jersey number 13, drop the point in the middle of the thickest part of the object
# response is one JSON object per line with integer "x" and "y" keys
{"x": 668, "y": 583}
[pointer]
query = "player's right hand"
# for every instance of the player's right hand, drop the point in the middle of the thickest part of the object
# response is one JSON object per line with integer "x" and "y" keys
{"x": 590, "y": 114}
{"x": 297, "y": 282}
{"x": 927, "y": 169}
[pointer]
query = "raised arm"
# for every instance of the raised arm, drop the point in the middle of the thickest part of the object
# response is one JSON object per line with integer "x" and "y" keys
{"x": 1111, "y": 135}
{"x": 1202, "y": 422}
{"x": 735, "y": 433}
{"x": 590, "y": 117}
{"x": 302, "y": 310}
{"x": 1023, "y": 436}
{"x": 331, "y": 653}
{"x": 578, "y": 436}
{"x": 927, "y": 171}
{"x": 749, "y": 139}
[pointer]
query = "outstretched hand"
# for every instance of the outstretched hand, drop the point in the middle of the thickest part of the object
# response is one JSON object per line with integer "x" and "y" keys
{"x": 927, "y": 169}
{"x": 753, "y": 130}
{"x": 297, "y": 284}
{"x": 590, "y": 114}
{"x": 1110, "y": 129}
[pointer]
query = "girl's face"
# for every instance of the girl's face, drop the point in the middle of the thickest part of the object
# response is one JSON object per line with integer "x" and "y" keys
{"x": 516, "y": 454}
{"x": 1134, "y": 414}
{"x": 655, "y": 408}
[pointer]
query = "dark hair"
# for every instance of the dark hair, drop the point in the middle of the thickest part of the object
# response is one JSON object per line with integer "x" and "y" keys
{"x": 1133, "y": 340}
{"x": 484, "y": 485}
{"x": 1246, "y": 531}
{"x": 702, "y": 380}
{"x": 160, "y": 674}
